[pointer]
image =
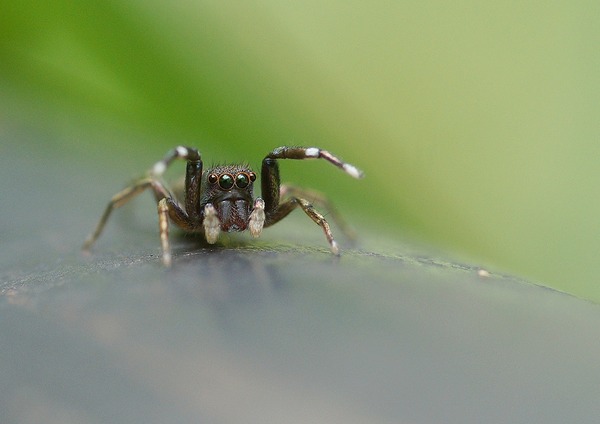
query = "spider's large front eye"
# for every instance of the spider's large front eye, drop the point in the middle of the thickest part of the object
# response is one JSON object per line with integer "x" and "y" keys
{"x": 226, "y": 181}
{"x": 242, "y": 180}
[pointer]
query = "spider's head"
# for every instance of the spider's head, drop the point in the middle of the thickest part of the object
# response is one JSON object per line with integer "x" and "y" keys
{"x": 230, "y": 190}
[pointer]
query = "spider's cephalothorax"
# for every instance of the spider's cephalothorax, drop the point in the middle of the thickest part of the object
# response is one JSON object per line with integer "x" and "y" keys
{"x": 222, "y": 199}
{"x": 230, "y": 190}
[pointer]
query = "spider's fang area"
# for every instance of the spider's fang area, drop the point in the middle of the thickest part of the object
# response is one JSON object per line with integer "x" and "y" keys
{"x": 212, "y": 226}
{"x": 257, "y": 218}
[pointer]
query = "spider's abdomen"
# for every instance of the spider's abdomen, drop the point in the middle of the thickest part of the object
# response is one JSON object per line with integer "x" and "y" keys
{"x": 233, "y": 214}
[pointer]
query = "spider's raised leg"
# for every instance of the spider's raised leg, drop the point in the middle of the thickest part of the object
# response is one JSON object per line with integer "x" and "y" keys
{"x": 193, "y": 176}
{"x": 271, "y": 192}
{"x": 270, "y": 181}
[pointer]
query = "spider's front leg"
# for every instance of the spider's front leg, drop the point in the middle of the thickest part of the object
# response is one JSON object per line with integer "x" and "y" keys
{"x": 122, "y": 198}
{"x": 271, "y": 187}
{"x": 193, "y": 176}
{"x": 188, "y": 219}
{"x": 191, "y": 218}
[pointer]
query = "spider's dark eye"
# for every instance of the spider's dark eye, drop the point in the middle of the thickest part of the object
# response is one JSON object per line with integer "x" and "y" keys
{"x": 212, "y": 178}
{"x": 226, "y": 181}
{"x": 242, "y": 180}
{"x": 252, "y": 176}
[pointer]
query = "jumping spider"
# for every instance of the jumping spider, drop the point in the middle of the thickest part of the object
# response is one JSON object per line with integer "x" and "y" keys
{"x": 221, "y": 198}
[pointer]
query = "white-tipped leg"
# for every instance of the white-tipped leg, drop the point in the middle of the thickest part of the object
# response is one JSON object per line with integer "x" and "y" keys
{"x": 257, "y": 218}
{"x": 212, "y": 226}
{"x": 163, "y": 228}
{"x": 180, "y": 152}
{"x": 334, "y": 248}
{"x": 352, "y": 170}
{"x": 285, "y": 152}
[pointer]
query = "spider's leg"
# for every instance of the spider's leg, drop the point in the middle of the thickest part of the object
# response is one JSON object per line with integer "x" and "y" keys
{"x": 120, "y": 199}
{"x": 271, "y": 191}
{"x": 320, "y": 221}
{"x": 281, "y": 212}
{"x": 285, "y": 152}
{"x": 322, "y": 202}
{"x": 193, "y": 176}
{"x": 169, "y": 208}
{"x": 270, "y": 180}
{"x": 163, "y": 230}
{"x": 289, "y": 205}
{"x": 179, "y": 152}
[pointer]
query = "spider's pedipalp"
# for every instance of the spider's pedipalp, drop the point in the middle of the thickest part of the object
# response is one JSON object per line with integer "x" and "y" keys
{"x": 211, "y": 224}
{"x": 257, "y": 218}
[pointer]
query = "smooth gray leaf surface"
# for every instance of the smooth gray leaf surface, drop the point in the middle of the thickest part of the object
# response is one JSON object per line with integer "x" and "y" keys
{"x": 269, "y": 331}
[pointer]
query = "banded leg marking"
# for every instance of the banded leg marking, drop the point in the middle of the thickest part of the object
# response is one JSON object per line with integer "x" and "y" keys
{"x": 170, "y": 209}
{"x": 193, "y": 176}
{"x": 179, "y": 152}
{"x": 314, "y": 153}
{"x": 122, "y": 198}
{"x": 163, "y": 230}
{"x": 320, "y": 220}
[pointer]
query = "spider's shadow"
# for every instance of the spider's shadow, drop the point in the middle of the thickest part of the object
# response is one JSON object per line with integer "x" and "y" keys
{"x": 228, "y": 277}
{"x": 183, "y": 242}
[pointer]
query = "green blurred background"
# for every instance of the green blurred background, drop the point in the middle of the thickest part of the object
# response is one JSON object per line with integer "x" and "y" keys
{"x": 476, "y": 122}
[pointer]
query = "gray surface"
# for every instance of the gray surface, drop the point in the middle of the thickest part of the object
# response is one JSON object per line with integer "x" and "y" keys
{"x": 274, "y": 331}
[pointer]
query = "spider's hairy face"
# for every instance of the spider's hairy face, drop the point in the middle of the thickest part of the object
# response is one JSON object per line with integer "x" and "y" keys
{"x": 230, "y": 190}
